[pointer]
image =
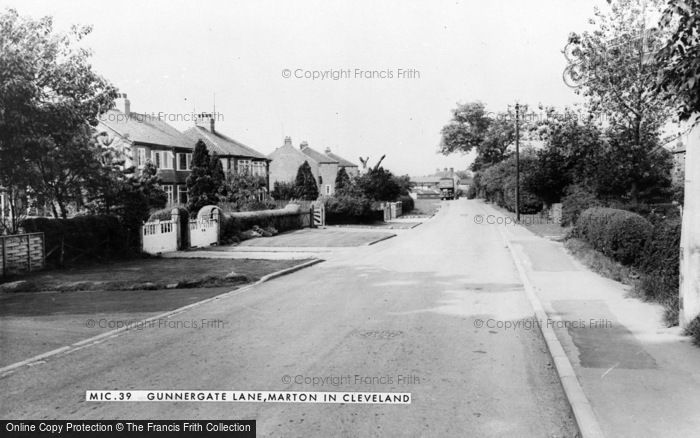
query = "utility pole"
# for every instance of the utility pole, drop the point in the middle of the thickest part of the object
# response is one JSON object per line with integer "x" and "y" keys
{"x": 517, "y": 162}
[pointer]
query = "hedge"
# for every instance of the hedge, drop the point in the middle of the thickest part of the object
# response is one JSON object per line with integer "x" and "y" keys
{"x": 407, "y": 204}
{"x": 82, "y": 238}
{"x": 619, "y": 234}
{"x": 288, "y": 218}
{"x": 349, "y": 210}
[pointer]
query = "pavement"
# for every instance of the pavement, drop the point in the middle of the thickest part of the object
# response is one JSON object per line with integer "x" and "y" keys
{"x": 423, "y": 312}
{"x": 641, "y": 378}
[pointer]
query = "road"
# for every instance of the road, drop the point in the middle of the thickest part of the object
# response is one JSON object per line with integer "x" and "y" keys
{"x": 410, "y": 306}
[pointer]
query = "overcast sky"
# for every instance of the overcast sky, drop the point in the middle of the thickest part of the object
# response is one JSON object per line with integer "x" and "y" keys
{"x": 173, "y": 56}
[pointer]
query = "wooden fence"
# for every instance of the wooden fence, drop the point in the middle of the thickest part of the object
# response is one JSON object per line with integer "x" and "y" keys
{"x": 21, "y": 253}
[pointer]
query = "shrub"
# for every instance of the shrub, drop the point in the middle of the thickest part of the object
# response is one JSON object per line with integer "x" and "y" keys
{"x": 348, "y": 209}
{"x": 407, "y": 204}
{"x": 619, "y": 234}
{"x": 283, "y": 191}
{"x": 576, "y": 200}
{"x": 471, "y": 191}
{"x": 82, "y": 238}
{"x": 693, "y": 330}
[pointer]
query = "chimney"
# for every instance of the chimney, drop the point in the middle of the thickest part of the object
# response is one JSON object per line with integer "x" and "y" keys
{"x": 287, "y": 141}
{"x": 123, "y": 104}
{"x": 328, "y": 150}
{"x": 206, "y": 121}
{"x": 445, "y": 169}
{"x": 452, "y": 170}
{"x": 303, "y": 144}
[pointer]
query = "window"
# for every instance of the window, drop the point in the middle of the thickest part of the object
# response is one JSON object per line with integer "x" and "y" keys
{"x": 168, "y": 189}
{"x": 163, "y": 159}
{"x": 244, "y": 166}
{"x": 182, "y": 194}
{"x": 328, "y": 189}
{"x": 259, "y": 168}
{"x": 140, "y": 157}
{"x": 320, "y": 180}
{"x": 184, "y": 161}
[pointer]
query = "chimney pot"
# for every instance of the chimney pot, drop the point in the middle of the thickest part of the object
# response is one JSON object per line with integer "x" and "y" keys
{"x": 287, "y": 141}
{"x": 328, "y": 150}
{"x": 123, "y": 104}
{"x": 303, "y": 144}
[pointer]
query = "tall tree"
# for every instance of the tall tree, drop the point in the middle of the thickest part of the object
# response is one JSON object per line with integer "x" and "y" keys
{"x": 472, "y": 128}
{"x": 201, "y": 190}
{"x": 618, "y": 73}
{"x": 50, "y": 97}
{"x": 305, "y": 183}
{"x": 218, "y": 177}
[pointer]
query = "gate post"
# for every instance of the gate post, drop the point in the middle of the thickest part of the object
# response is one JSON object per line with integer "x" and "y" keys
{"x": 175, "y": 218}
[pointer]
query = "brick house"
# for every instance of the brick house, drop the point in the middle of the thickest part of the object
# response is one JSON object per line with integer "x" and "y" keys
{"x": 143, "y": 137}
{"x": 286, "y": 160}
{"x": 351, "y": 168}
{"x": 235, "y": 156}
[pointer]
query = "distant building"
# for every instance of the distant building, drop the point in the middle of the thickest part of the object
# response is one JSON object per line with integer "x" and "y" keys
{"x": 286, "y": 160}
{"x": 351, "y": 168}
{"x": 234, "y": 155}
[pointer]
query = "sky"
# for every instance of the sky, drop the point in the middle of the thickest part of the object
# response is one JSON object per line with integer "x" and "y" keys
{"x": 400, "y": 66}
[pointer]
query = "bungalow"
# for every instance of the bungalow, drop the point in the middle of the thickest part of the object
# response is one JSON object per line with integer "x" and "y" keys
{"x": 143, "y": 137}
{"x": 235, "y": 156}
{"x": 286, "y": 160}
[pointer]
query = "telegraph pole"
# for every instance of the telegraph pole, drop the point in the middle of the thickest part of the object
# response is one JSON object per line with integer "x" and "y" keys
{"x": 517, "y": 162}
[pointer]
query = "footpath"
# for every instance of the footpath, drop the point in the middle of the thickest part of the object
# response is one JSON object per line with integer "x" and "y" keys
{"x": 641, "y": 378}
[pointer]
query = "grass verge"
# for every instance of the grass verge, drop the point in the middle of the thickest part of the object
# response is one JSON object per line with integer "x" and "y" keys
{"x": 153, "y": 274}
{"x": 648, "y": 288}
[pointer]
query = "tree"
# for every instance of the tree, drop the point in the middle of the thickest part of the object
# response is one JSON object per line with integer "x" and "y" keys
{"x": 305, "y": 183}
{"x": 679, "y": 56}
{"x": 342, "y": 181}
{"x": 218, "y": 177}
{"x": 50, "y": 100}
{"x": 140, "y": 193}
{"x": 379, "y": 184}
{"x": 472, "y": 128}
{"x": 201, "y": 190}
{"x": 619, "y": 80}
{"x": 243, "y": 190}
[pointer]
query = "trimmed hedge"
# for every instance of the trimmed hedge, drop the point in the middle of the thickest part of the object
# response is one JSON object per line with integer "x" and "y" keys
{"x": 288, "y": 218}
{"x": 349, "y": 210}
{"x": 407, "y": 204}
{"x": 82, "y": 238}
{"x": 619, "y": 234}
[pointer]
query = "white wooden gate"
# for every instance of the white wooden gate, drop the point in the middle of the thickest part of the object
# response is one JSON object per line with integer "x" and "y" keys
{"x": 159, "y": 237}
{"x": 204, "y": 232}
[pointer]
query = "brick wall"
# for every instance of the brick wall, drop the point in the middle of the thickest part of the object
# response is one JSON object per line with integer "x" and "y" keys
{"x": 21, "y": 253}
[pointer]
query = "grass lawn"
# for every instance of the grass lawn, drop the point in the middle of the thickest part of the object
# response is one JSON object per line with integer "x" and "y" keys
{"x": 311, "y": 237}
{"x": 155, "y": 273}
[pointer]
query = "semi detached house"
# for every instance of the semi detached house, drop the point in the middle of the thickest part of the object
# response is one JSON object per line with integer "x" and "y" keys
{"x": 143, "y": 137}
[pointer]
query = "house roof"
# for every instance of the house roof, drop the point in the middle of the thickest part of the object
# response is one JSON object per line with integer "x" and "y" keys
{"x": 342, "y": 162}
{"x": 221, "y": 144}
{"x": 144, "y": 128}
{"x": 317, "y": 156}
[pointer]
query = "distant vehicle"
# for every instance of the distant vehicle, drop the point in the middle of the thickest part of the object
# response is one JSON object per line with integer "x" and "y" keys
{"x": 447, "y": 188}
